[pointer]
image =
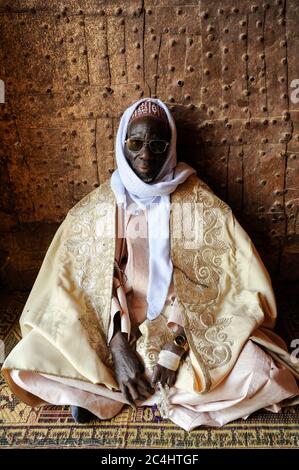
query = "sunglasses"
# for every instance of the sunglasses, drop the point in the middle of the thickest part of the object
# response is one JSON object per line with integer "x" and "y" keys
{"x": 155, "y": 146}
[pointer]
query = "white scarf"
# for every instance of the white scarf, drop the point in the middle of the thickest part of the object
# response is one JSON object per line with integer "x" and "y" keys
{"x": 154, "y": 197}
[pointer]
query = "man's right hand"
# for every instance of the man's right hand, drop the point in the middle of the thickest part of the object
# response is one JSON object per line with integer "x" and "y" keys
{"x": 129, "y": 370}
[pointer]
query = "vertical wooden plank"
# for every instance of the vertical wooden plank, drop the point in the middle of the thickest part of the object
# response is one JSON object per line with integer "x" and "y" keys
{"x": 96, "y": 43}
{"x": 257, "y": 84}
{"x": 116, "y": 49}
{"x": 211, "y": 60}
{"x": 165, "y": 69}
{"x": 233, "y": 56}
{"x": 134, "y": 49}
{"x": 292, "y": 38}
{"x": 276, "y": 59}
{"x": 76, "y": 57}
{"x": 152, "y": 42}
{"x": 177, "y": 57}
{"x": 193, "y": 71}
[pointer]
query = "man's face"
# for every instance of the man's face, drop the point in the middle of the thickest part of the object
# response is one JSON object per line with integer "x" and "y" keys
{"x": 145, "y": 163}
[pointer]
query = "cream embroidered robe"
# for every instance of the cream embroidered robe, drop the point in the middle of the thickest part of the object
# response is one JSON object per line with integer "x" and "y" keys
{"x": 222, "y": 287}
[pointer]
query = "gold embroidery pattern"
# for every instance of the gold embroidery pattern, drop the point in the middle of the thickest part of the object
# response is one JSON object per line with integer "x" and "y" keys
{"x": 93, "y": 259}
{"x": 155, "y": 334}
{"x": 213, "y": 343}
{"x": 197, "y": 278}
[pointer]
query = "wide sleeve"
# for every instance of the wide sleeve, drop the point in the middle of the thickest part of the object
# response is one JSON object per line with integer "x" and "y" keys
{"x": 231, "y": 297}
{"x": 224, "y": 291}
{"x": 62, "y": 331}
{"x": 254, "y": 280}
{"x": 258, "y": 283}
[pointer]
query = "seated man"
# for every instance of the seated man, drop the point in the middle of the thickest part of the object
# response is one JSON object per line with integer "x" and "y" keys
{"x": 130, "y": 307}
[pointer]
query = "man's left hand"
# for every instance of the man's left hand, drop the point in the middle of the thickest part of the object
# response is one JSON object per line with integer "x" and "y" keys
{"x": 162, "y": 374}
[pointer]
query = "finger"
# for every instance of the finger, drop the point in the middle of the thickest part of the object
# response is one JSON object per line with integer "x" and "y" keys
{"x": 155, "y": 376}
{"x": 144, "y": 392}
{"x": 144, "y": 384}
{"x": 171, "y": 380}
{"x": 168, "y": 381}
{"x": 140, "y": 366}
{"x": 127, "y": 395}
{"x": 143, "y": 387}
{"x": 143, "y": 396}
{"x": 132, "y": 390}
{"x": 167, "y": 376}
{"x": 164, "y": 376}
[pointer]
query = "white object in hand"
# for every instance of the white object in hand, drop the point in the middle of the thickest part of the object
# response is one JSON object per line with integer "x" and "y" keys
{"x": 169, "y": 359}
